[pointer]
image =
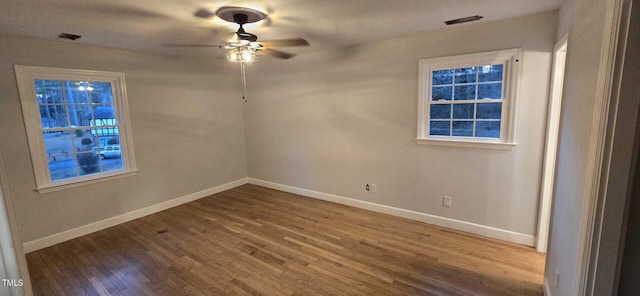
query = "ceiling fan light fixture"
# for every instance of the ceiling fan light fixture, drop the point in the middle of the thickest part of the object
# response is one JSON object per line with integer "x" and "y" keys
{"x": 254, "y": 45}
{"x": 242, "y": 54}
{"x": 248, "y": 55}
{"x": 243, "y": 46}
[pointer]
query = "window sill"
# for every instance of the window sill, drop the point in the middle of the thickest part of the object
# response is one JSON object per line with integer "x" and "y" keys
{"x": 467, "y": 143}
{"x": 76, "y": 183}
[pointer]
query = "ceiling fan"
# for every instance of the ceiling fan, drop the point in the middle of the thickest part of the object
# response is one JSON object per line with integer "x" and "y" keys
{"x": 244, "y": 46}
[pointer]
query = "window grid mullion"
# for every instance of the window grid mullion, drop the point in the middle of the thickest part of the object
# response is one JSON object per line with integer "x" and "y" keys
{"x": 475, "y": 106}
{"x": 451, "y": 118}
{"x": 65, "y": 100}
{"x": 462, "y": 84}
{"x": 71, "y": 135}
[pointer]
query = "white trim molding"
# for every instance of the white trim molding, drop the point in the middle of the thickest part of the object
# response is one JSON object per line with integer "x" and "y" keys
{"x": 468, "y": 143}
{"x": 6, "y": 204}
{"x": 57, "y": 238}
{"x": 597, "y": 166}
{"x": 551, "y": 142}
{"x": 474, "y": 228}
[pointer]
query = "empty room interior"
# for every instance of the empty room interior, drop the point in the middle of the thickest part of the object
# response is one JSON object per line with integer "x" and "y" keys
{"x": 365, "y": 147}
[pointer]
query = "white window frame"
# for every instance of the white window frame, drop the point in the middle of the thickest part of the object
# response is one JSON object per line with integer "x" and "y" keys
{"x": 510, "y": 59}
{"x": 26, "y": 76}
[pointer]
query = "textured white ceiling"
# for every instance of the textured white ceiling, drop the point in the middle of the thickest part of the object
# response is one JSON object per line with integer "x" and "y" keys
{"x": 143, "y": 25}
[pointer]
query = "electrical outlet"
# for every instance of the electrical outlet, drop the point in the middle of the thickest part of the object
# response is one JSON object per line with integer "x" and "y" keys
{"x": 370, "y": 187}
{"x": 446, "y": 201}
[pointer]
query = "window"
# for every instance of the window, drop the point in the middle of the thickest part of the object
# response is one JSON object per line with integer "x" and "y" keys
{"x": 469, "y": 100}
{"x": 77, "y": 125}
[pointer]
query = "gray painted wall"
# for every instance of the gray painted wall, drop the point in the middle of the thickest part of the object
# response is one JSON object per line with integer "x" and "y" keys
{"x": 334, "y": 121}
{"x": 187, "y": 123}
{"x": 584, "y": 21}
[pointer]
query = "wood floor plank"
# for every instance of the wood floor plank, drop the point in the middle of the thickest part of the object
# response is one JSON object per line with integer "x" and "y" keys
{"x": 252, "y": 240}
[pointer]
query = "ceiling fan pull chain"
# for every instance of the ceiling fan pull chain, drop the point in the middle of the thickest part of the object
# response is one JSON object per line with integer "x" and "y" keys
{"x": 244, "y": 82}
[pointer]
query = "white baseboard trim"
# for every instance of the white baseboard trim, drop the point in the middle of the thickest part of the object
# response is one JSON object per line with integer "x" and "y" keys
{"x": 57, "y": 238}
{"x": 478, "y": 229}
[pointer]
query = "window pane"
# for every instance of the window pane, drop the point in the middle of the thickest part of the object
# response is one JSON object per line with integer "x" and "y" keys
{"x": 442, "y": 77}
{"x": 58, "y": 144}
{"x": 440, "y": 111}
{"x": 100, "y": 93}
{"x": 77, "y": 92}
{"x": 84, "y": 142}
{"x": 80, "y": 133}
{"x": 62, "y": 167}
{"x": 466, "y": 75}
{"x": 53, "y": 116}
{"x": 490, "y": 73}
{"x": 488, "y": 129}
{"x": 463, "y": 128}
{"x": 105, "y": 132}
{"x": 465, "y": 92}
{"x": 49, "y": 91}
{"x": 489, "y": 111}
{"x": 108, "y": 141}
{"x": 441, "y": 93}
{"x": 104, "y": 115}
{"x": 112, "y": 164}
{"x": 88, "y": 162}
{"x": 439, "y": 128}
{"x": 79, "y": 115}
{"x": 463, "y": 111}
{"x": 490, "y": 91}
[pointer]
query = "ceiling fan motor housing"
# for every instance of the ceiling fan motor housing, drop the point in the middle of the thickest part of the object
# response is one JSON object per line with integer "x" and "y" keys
{"x": 240, "y": 15}
{"x": 245, "y": 47}
{"x": 240, "y": 18}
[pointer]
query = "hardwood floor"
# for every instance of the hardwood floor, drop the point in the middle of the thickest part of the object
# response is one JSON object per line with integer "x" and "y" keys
{"x": 256, "y": 241}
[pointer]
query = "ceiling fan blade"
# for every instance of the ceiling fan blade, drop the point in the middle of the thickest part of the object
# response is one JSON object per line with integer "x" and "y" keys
{"x": 277, "y": 53}
{"x": 203, "y": 13}
{"x": 191, "y": 45}
{"x": 285, "y": 42}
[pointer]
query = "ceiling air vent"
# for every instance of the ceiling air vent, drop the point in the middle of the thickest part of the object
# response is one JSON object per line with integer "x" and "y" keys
{"x": 203, "y": 13}
{"x": 463, "y": 20}
{"x": 69, "y": 36}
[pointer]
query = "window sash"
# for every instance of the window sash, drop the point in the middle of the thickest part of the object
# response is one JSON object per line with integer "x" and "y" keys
{"x": 26, "y": 77}
{"x": 474, "y": 119}
{"x": 509, "y": 59}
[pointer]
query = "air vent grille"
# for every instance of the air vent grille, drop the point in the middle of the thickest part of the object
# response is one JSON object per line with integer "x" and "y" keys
{"x": 69, "y": 36}
{"x": 463, "y": 20}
